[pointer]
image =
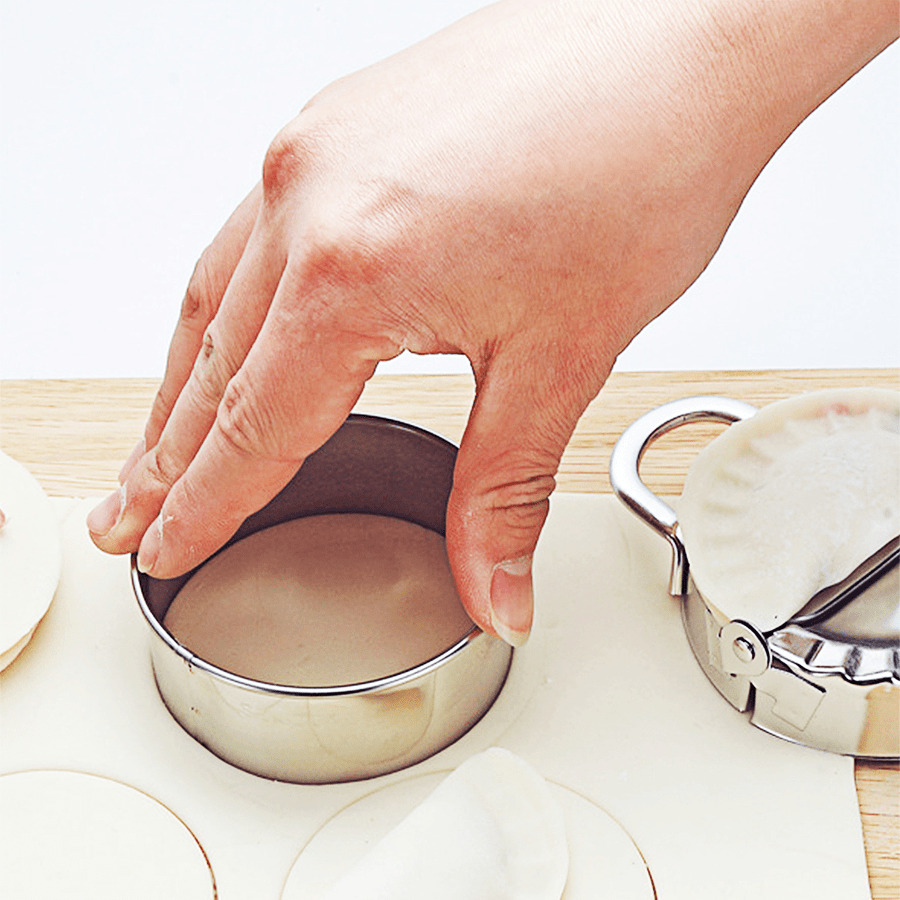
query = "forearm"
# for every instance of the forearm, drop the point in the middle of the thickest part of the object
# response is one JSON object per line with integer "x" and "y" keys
{"x": 781, "y": 58}
{"x": 695, "y": 96}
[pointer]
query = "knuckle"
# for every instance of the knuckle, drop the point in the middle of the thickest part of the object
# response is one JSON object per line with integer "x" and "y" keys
{"x": 288, "y": 158}
{"x": 161, "y": 470}
{"x": 243, "y": 423}
{"x": 521, "y": 497}
{"x": 357, "y": 233}
{"x": 212, "y": 370}
{"x": 362, "y": 244}
{"x": 345, "y": 256}
{"x": 523, "y": 523}
{"x": 201, "y": 299}
{"x": 180, "y": 504}
{"x": 519, "y": 506}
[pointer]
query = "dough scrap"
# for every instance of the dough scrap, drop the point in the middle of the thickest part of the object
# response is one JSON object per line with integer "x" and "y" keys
{"x": 30, "y": 557}
{"x": 325, "y": 600}
{"x": 492, "y": 830}
{"x": 69, "y": 834}
{"x": 792, "y": 500}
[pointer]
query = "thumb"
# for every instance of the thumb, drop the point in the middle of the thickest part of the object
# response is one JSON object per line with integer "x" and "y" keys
{"x": 521, "y": 421}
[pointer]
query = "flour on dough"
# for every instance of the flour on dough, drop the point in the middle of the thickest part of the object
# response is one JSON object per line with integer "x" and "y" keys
{"x": 492, "y": 830}
{"x": 791, "y": 500}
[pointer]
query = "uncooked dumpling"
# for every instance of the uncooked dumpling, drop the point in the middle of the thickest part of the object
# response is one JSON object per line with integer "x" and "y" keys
{"x": 492, "y": 830}
{"x": 792, "y": 500}
{"x": 72, "y": 835}
{"x": 30, "y": 557}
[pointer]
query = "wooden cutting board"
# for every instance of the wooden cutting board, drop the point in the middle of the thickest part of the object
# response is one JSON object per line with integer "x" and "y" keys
{"x": 74, "y": 435}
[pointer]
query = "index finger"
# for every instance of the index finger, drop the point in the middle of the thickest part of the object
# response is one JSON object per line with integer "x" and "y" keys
{"x": 206, "y": 288}
{"x": 296, "y": 386}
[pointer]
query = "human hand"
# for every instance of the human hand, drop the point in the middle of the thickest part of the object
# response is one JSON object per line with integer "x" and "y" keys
{"x": 529, "y": 188}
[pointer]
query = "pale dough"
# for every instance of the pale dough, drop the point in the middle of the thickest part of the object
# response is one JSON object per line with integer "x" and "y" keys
{"x": 791, "y": 500}
{"x": 605, "y": 698}
{"x": 30, "y": 557}
{"x": 492, "y": 830}
{"x": 603, "y": 859}
{"x": 325, "y": 600}
{"x": 72, "y": 835}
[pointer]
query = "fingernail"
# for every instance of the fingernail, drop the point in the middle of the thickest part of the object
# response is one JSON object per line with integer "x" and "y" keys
{"x": 512, "y": 600}
{"x": 102, "y": 519}
{"x": 131, "y": 462}
{"x": 148, "y": 552}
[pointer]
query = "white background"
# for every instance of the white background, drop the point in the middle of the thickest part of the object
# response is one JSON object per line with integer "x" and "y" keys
{"x": 130, "y": 132}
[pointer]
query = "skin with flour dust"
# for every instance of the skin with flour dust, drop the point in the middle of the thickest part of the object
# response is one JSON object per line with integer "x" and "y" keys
{"x": 528, "y": 187}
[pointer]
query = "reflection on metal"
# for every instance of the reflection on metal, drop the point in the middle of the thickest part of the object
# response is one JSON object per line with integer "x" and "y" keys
{"x": 342, "y": 732}
{"x": 830, "y": 677}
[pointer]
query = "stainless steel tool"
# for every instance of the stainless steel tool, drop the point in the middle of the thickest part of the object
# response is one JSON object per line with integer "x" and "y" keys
{"x": 348, "y": 731}
{"x": 828, "y": 678}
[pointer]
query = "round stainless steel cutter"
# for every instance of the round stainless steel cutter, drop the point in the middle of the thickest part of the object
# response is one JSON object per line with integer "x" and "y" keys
{"x": 829, "y": 677}
{"x": 341, "y": 732}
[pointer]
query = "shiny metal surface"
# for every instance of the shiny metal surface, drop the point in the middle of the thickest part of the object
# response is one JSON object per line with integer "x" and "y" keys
{"x": 625, "y": 461}
{"x": 340, "y": 732}
{"x": 834, "y": 597}
{"x": 830, "y": 677}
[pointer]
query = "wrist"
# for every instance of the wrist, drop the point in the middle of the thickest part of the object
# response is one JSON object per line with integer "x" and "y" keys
{"x": 770, "y": 63}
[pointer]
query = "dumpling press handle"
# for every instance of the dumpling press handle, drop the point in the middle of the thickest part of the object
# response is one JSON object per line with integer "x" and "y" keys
{"x": 625, "y": 461}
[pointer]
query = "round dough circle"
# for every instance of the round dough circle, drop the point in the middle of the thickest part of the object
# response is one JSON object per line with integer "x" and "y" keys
{"x": 69, "y": 834}
{"x": 792, "y": 500}
{"x": 328, "y": 599}
{"x": 30, "y": 557}
{"x": 603, "y": 859}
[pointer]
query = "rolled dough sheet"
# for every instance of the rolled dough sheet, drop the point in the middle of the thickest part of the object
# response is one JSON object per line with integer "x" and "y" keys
{"x": 605, "y": 700}
{"x": 79, "y": 836}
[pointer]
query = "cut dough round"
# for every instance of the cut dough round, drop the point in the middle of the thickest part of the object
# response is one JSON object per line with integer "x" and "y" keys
{"x": 68, "y": 834}
{"x": 603, "y": 859}
{"x": 491, "y": 830}
{"x": 325, "y": 600}
{"x": 792, "y": 500}
{"x": 30, "y": 557}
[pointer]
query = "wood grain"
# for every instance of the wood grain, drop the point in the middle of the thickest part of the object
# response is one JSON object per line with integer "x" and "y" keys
{"x": 74, "y": 436}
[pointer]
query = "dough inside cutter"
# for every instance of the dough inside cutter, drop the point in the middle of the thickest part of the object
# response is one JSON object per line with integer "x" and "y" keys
{"x": 323, "y": 600}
